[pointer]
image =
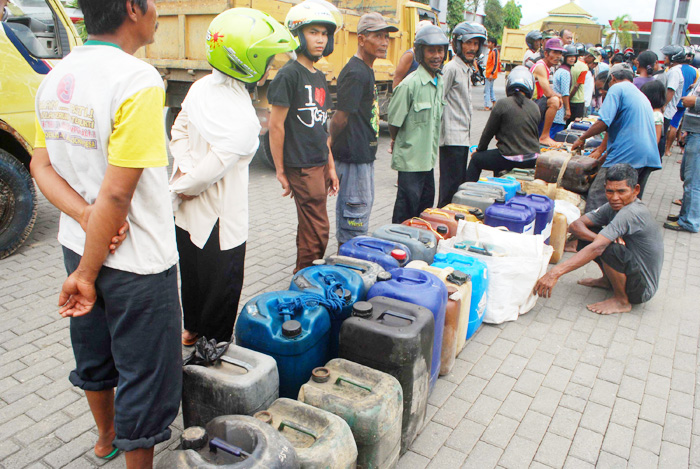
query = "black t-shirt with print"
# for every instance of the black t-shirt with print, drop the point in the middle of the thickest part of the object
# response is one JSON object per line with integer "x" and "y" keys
{"x": 357, "y": 95}
{"x": 306, "y": 130}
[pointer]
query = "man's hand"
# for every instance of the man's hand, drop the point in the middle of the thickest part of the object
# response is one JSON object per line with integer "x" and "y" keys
{"x": 391, "y": 146}
{"x": 596, "y": 154}
{"x": 567, "y": 114}
{"x": 334, "y": 183}
{"x": 116, "y": 240}
{"x": 286, "y": 188}
{"x": 77, "y": 296}
{"x": 579, "y": 143}
{"x": 544, "y": 285}
{"x": 689, "y": 101}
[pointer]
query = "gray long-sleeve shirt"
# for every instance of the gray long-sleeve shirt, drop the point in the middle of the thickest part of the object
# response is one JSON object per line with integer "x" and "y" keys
{"x": 691, "y": 120}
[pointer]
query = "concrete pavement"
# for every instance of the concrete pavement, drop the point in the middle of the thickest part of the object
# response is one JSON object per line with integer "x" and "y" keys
{"x": 560, "y": 387}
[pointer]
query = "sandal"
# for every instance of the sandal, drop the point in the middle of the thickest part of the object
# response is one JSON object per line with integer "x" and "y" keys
{"x": 678, "y": 202}
{"x": 672, "y": 218}
{"x": 110, "y": 456}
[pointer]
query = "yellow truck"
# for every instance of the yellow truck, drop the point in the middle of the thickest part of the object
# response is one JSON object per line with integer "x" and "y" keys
{"x": 179, "y": 51}
{"x": 513, "y": 47}
{"x": 35, "y": 35}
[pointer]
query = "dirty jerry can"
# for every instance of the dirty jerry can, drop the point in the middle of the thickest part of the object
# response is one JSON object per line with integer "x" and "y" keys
{"x": 241, "y": 382}
{"x": 366, "y": 269}
{"x": 421, "y": 243}
{"x": 370, "y": 401}
{"x": 447, "y": 217}
{"x": 481, "y": 196}
{"x": 321, "y": 439}
{"x": 388, "y": 254}
{"x": 440, "y": 230}
{"x": 233, "y": 442}
{"x": 478, "y": 272}
{"x": 294, "y": 333}
{"x": 558, "y": 238}
{"x": 394, "y": 337}
{"x": 341, "y": 286}
{"x": 572, "y": 172}
{"x": 516, "y": 217}
{"x": 477, "y": 213}
{"x": 544, "y": 212}
{"x": 423, "y": 289}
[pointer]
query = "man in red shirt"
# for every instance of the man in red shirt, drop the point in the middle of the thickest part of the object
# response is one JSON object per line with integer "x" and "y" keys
{"x": 547, "y": 99}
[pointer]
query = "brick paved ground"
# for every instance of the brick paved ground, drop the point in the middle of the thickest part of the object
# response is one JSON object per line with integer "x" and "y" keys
{"x": 561, "y": 387}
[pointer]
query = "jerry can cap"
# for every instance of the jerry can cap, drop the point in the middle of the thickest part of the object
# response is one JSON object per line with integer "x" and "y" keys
{"x": 500, "y": 200}
{"x": 194, "y": 438}
{"x": 399, "y": 254}
{"x": 521, "y": 192}
{"x": 345, "y": 294}
{"x": 319, "y": 262}
{"x": 442, "y": 229}
{"x": 383, "y": 277}
{"x": 362, "y": 309}
{"x": 458, "y": 277}
{"x": 320, "y": 374}
{"x": 291, "y": 328}
{"x": 460, "y": 216}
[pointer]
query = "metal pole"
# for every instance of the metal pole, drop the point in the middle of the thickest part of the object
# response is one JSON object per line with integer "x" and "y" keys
{"x": 662, "y": 27}
{"x": 681, "y": 24}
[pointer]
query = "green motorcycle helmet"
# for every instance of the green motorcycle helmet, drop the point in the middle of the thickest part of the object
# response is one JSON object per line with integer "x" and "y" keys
{"x": 241, "y": 42}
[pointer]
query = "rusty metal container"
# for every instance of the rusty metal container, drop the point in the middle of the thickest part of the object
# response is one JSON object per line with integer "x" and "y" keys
{"x": 572, "y": 172}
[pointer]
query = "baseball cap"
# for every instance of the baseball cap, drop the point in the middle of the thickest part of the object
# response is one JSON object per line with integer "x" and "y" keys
{"x": 594, "y": 52}
{"x": 619, "y": 67}
{"x": 554, "y": 44}
{"x": 372, "y": 22}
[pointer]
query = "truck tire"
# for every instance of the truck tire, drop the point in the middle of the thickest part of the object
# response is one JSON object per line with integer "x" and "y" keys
{"x": 17, "y": 204}
{"x": 264, "y": 153}
{"x": 170, "y": 116}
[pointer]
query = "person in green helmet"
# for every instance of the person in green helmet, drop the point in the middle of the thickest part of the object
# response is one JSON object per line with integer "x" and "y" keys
{"x": 299, "y": 140}
{"x": 214, "y": 138}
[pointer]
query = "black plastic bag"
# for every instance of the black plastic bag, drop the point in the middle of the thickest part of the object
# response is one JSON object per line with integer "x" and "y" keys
{"x": 206, "y": 352}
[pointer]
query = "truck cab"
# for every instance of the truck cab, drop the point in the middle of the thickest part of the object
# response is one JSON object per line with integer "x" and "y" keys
{"x": 34, "y": 35}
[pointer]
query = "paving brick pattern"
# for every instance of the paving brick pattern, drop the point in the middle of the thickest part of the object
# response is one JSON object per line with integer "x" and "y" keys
{"x": 560, "y": 387}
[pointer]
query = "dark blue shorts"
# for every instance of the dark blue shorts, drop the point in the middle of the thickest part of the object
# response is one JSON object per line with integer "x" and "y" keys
{"x": 131, "y": 340}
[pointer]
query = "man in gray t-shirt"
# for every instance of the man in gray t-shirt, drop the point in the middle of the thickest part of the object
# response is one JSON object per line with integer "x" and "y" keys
{"x": 623, "y": 238}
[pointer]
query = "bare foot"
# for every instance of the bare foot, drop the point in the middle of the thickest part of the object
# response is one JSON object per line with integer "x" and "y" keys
{"x": 571, "y": 245}
{"x": 611, "y": 306}
{"x": 601, "y": 282}
{"x": 547, "y": 141}
{"x": 103, "y": 447}
{"x": 189, "y": 338}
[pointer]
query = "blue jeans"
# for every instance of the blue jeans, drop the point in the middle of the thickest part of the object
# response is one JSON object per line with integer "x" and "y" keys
{"x": 690, "y": 210}
{"x": 489, "y": 93}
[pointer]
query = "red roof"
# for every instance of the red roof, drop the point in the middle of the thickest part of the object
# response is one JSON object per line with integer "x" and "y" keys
{"x": 645, "y": 27}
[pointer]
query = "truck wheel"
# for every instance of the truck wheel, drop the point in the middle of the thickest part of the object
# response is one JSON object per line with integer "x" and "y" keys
{"x": 264, "y": 153}
{"x": 170, "y": 116}
{"x": 17, "y": 204}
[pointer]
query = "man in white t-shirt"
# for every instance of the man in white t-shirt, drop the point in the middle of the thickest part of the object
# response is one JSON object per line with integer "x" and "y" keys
{"x": 674, "y": 58}
{"x": 100, "y": 158}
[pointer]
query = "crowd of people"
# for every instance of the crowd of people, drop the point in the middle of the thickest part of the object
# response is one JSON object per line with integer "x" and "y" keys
{"x": 121, "y": 246}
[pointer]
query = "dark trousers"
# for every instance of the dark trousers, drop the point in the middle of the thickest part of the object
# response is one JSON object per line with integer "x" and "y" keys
{"x": 131, "y": 340}
{"x": 416, "y": 192}
{"x": 453, "y": 171}
{"x": 662, "y": 141}
{"x": 310, "y": 189}
{"x": 493, "y": 160}
{"x": 212, "y": 280}
{"x": 577, "y": 111}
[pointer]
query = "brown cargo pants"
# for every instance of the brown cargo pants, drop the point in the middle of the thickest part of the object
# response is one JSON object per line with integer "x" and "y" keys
{"x": 310, "y": 189}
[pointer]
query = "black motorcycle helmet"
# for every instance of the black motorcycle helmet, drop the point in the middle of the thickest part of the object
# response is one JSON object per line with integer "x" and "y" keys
{"x": 465, "y": 31}
{"x": 675, "y": 53}
{"x": 570, "y": 51}
{"x": 520, "y": 79}
{"x": 531, "y": 37}
{"x": 429, "y": 36}
{"x": 580, "y": 49}
{"x": 609, "y": 52}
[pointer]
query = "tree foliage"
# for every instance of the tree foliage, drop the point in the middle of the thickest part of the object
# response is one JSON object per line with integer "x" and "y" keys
{"x": 621, "y": 31}
{"x": 455, "y": 13}
{"x": 494, "y": 18}
{"x": 512, "y": 14}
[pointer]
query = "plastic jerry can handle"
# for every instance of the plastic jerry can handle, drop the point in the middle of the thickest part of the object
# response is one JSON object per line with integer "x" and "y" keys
{"x": 544, "y": 198}
{"x": 369, "y": 245}
{"x": 411, "y": 276}
{"x": 341, "y": 379}
{"x": 405, "y": 317}
{"x": 399, "y": 232}
{"x": 219, "y": 444}
{"x": 236, "y": 362}
{"x": 353, "y": 267}
{"x": 520, "y": 205}
{"x": 479, "y": 250}
{"x": 436, "y": 212}
{"x": 299, "y": 428}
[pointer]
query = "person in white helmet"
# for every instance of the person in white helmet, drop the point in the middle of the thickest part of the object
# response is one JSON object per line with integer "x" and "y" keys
{"x": 299, "y": 140}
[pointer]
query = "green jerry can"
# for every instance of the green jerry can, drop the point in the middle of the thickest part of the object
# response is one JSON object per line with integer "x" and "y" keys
{"x": 370, "y": 401}
{"x": 321, "y": 440}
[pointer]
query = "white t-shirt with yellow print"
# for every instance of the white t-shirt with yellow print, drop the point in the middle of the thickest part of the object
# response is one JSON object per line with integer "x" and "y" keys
{"x": 101, "y": 106}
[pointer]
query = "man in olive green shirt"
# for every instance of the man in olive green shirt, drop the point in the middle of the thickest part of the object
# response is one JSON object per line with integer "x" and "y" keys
{"x": 578, "y": 79}
{"x": 415, "y": 115}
